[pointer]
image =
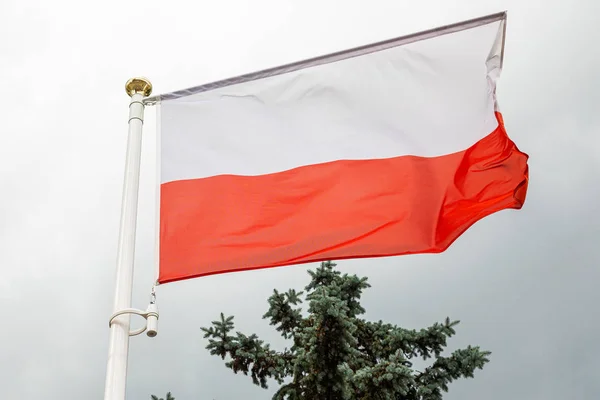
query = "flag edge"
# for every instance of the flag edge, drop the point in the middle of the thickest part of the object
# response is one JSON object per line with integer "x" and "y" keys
{"x": 337, "y": 56}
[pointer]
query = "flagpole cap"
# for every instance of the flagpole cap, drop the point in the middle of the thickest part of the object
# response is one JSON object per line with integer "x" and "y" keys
{"x": 138, "y": 85}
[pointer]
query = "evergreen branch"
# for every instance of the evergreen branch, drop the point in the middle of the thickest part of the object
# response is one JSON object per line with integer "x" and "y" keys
{"x": 389, "y": 379}
{"x": 285, "y": 318}
{"x": 248, "y": 354}
{"x": 383, "y": 340}
{"x": 461, "y": 364}
{"x": 289, "y": 391}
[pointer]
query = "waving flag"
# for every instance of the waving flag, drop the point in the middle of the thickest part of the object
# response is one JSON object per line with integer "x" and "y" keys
{"x": 392, "y": 148}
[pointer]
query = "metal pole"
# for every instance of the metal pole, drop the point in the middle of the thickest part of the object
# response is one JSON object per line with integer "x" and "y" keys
{"x": 116, "y": 369}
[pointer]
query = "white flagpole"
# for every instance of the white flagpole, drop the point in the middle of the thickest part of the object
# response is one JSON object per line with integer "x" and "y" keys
{"x": 116, "y": 370}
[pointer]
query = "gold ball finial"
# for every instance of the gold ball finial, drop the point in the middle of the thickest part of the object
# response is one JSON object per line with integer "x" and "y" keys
{"x": 138, "y": 85}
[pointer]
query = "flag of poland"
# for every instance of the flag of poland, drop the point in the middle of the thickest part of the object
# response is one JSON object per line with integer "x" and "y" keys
{"x": 393, "y": 148}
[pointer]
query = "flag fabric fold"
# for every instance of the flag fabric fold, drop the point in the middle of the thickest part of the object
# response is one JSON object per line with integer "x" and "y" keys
{"x": 389, "y": 149}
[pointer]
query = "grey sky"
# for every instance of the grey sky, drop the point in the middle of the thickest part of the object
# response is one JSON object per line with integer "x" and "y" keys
{"x": 523, "y": 283}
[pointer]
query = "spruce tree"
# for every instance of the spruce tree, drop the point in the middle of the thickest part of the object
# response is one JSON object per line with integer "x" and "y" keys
{"x": 335, "y": 355}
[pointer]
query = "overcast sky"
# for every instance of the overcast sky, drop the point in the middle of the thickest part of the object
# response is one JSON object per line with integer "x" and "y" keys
{"x": 523, "y": 283}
